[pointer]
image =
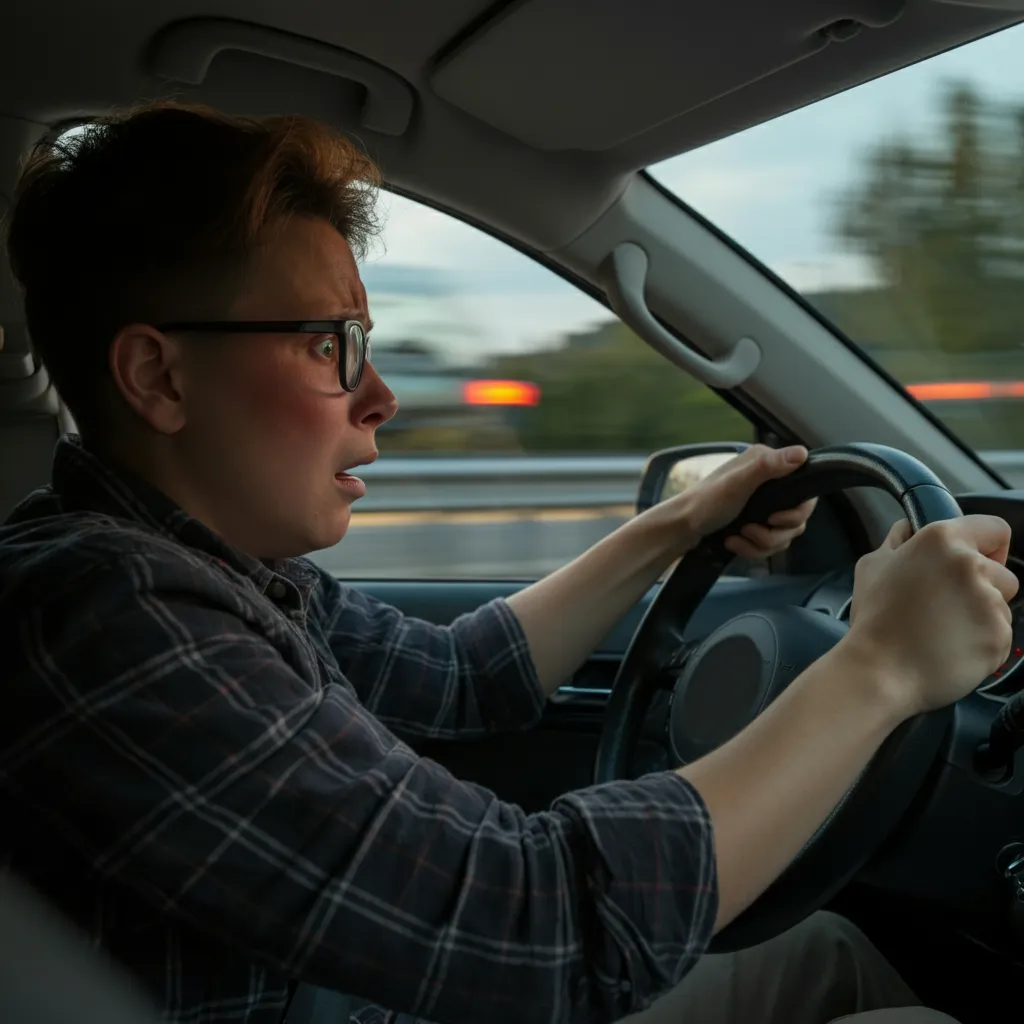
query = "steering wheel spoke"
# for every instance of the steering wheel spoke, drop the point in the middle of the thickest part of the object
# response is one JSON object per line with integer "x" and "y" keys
{"x": 666, "y": 673}
{"x": 653, "y": 750}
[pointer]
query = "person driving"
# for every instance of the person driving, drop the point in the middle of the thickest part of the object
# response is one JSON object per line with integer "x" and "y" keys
{"x": 205, "y": 752}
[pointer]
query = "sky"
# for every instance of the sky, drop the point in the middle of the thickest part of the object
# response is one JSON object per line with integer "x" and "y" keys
{"x": 772, "y": 188}
{"x": 487, "y": 297}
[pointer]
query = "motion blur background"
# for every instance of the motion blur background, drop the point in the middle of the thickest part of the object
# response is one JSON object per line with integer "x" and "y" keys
{"x": 895, "y": 209}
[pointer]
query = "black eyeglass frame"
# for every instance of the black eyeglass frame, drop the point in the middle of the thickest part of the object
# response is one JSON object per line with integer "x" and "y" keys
{"x": 351, "y": 335}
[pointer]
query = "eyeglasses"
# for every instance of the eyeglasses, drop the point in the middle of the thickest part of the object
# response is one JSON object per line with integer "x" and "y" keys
{"x": 350, "y": 333}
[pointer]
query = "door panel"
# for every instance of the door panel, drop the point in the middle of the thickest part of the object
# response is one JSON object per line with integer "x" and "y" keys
{"x": 443, "y": 600}
{"x": 532, "y": 768}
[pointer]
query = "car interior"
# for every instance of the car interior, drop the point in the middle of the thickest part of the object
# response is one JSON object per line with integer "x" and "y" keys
{"x": 535, "y": 121}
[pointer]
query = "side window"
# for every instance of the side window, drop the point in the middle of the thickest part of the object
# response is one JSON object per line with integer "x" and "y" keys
{"x": 526, "y": 410}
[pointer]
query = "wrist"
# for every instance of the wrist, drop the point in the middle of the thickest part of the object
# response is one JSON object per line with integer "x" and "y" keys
{"x": 874, "y": 675}
{"x": 667, "y": 531}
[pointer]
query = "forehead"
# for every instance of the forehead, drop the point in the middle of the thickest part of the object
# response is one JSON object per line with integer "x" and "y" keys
{"x": 304, "y": 269}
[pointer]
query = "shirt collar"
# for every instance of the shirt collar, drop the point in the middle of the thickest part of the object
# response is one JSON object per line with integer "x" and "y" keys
{"x": 83, "y": 481}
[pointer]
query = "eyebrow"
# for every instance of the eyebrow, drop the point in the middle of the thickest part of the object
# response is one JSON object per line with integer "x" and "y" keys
{"x": 355, "y": 314}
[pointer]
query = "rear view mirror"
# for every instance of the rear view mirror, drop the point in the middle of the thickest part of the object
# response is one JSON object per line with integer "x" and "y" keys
{"x": 672, "y": 470}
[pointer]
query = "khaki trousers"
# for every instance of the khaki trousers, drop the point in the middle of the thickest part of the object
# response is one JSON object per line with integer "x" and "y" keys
{"x": 823, "y": 970}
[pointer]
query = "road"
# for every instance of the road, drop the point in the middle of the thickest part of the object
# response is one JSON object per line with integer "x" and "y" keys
{"x": 467, "y": 544}
{"x": 510, "y": 518}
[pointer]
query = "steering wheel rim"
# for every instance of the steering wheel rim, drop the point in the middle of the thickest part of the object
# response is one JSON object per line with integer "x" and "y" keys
{"x": 884, "y": 791}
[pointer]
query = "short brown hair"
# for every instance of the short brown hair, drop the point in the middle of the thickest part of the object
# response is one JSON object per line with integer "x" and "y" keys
{"x": 151, "y": 215}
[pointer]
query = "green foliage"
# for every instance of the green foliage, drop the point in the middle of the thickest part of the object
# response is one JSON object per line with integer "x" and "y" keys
{"x": 942, "y": 223}
{"x": 608, "y": 391}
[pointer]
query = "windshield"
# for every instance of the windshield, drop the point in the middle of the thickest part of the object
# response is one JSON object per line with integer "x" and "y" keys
{"x": 897, "y": 210}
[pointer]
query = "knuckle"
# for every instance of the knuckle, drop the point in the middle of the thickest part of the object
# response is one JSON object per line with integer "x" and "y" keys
{"x": 863, "y": 566}
{"x": 943, "y": 544}
{"x": 940, "y": 535}
{"x": 1007, "y": 645}
{"x": 996, "y": 617}
{"x": 1000, "y": 640}
{"x": 963, "y": 566}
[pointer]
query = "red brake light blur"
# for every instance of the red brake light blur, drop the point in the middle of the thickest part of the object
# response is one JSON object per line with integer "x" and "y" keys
{"x": 956, "y": 390}
{"x": 500, "y": 392}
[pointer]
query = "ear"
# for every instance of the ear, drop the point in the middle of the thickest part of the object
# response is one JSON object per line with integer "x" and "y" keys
{"x": 147, "y": 369}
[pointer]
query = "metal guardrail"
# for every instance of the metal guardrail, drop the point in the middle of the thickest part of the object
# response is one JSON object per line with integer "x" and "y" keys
{"x": 1008, "y": 464}
{"x": 500, "y": 483}
{"x": 476, "y": 483}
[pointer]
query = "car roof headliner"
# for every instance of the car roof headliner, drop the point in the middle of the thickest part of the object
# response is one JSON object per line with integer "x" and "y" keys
{"x": 528, "y": 115}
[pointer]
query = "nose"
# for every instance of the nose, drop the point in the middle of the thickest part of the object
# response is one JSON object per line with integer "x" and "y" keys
{"x": 375, "y": 402}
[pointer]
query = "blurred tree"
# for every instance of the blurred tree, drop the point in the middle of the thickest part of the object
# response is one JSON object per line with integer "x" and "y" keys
{"x": 606, "y": 390}
{"x": 942, "y": 223}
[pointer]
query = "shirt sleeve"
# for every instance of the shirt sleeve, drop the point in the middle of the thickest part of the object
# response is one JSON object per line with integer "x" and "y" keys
{"x": 183, "y": 754}
{"x": 423, "y": 680}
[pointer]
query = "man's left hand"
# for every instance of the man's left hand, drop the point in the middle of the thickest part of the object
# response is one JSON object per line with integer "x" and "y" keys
{"x": 720, "y": 497}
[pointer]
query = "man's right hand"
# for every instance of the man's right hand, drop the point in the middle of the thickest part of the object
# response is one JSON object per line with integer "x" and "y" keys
{"x": 930, "y": 622}
{"x": 930, "y": 611}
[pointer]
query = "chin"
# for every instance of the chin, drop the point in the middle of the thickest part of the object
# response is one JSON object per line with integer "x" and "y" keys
{"x": 329, "y": 534}
{"x": 320, "y": 528}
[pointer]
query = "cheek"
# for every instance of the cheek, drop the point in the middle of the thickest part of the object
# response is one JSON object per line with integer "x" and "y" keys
{"x": 262, "y": 399}
{"x": 289, "y": 406}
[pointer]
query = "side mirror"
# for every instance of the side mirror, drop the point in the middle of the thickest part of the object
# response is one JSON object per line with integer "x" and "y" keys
{"x": 672, "y": 470}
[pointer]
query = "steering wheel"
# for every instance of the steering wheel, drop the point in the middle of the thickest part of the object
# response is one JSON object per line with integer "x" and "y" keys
{"x": 720, "y": 685}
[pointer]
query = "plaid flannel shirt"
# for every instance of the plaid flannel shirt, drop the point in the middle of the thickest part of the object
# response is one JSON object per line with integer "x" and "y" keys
{"x": 200, "y": 764}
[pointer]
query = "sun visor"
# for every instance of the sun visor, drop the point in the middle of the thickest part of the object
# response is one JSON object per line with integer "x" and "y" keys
{"x": 555, "y": 73}
{"x": 991, "y": 5}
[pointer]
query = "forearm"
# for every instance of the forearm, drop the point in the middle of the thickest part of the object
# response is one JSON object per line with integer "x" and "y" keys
{"x": 567, "y": 614}
{"x": 770, "y": 788}
{"x": 427, "y": 681}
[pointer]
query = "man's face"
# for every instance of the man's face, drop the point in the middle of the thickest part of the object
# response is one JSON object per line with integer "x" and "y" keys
{"x": 268, "y": 432}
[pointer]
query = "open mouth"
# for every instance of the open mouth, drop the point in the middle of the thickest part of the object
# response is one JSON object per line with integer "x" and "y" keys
{"x": 352, "y": 485}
